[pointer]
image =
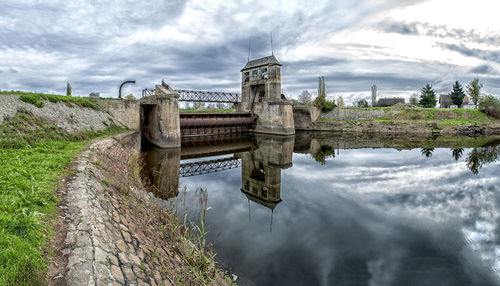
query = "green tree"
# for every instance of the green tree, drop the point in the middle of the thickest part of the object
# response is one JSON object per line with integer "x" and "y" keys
{"x": 413, "y": 101}
{"x": 474, "y": 90}
{"x": 427, "y": 97}
{"x": 130, "y": 97}
{"x": 457, "y": 153}
{"x": 427, "y": 152}
{"x": 69, "y": 89}
{"x": 457, "y": 94}
{"x": 490, "y": 105}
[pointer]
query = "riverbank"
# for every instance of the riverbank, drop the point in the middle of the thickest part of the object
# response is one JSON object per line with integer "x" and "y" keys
{"x": 117, "y": 233}
{"x": 398, "y": 121}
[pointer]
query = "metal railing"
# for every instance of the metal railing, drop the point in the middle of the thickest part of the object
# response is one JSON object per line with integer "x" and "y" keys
{"x": 212, "y": 166}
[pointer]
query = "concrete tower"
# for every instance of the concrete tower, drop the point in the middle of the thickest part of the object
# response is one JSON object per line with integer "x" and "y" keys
{"x": 261, "y": 95}
{"x": 374, "y": 95}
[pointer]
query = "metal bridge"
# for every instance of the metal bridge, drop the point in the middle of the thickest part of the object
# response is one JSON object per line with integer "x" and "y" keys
{"x": 202, "y": 96}
{"x": 212, "y": 166}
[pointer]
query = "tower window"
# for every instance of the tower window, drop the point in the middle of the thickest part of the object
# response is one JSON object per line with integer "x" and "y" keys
{"x": 263, "y": 73}
{"x": 263, "y": 192}
{"x": 255, "y": 73}
{"x": 247, "y": 76}
{"x": 278, "y": 71}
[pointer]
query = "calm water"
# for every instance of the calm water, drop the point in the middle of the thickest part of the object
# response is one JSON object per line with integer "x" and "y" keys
{"x": 319, "y": 210}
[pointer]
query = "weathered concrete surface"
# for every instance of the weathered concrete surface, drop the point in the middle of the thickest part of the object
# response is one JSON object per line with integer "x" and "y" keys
{"x": 274, "y": 118}
{"x": 159, "y": 116}
{"x": 402, "y": 129}
{"x": 70, "y": 119}
{"x": 117, "y": 233}
{"x": 124, "y": 111}
{"x": 356, "y": 114}
{"x": 304, "y": 117}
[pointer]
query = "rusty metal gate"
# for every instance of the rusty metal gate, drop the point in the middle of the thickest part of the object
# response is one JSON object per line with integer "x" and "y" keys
{"x": 203, "y": 124}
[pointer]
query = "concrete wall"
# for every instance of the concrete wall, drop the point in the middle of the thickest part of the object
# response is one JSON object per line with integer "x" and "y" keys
{"x": 355, "y": 114}
{"x": 159, "y": 118}
{"x": 126, "y": 112}
{"x": 303, "y": 117}
{"x": 274, "y": 118}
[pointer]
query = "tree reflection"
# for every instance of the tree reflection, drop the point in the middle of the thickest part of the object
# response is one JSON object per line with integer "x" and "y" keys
{"x": 480, "y": 156}
{"x": 427, "y": 152}
{"x": 324, "y": 152}
{"x": 457, "y": 153}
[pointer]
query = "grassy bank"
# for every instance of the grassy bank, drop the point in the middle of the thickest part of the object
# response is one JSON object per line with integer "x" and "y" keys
{"x": 440, "y": 116}
{"x": 37, "y": 99}
{"x": 34, "y": 154}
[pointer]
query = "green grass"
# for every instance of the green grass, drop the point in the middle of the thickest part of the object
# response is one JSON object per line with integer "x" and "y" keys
{"x": 208, "y": 110}
{"x": 37, "y": 99}
{"x": 34, "y": 154}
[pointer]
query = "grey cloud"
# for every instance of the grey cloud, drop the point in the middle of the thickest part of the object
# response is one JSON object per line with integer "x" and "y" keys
{"x": 488, "y": 55}
{"x": 399, "y": 28}
{"x": 484, "y": 69}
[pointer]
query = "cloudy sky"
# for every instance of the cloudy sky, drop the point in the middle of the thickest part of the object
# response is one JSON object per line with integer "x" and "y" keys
{"x": 399, "y": 45}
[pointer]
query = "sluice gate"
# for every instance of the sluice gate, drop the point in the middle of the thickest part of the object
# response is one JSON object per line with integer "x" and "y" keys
{"x": 204, "y": 124}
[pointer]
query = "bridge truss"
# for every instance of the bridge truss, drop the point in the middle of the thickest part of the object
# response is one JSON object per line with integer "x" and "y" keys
{"x": 211, "y": 166}
{"x": 202, "y": 96}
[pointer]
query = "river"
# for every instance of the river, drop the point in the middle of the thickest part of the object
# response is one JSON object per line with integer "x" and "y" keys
{"x": 319, "y": 209}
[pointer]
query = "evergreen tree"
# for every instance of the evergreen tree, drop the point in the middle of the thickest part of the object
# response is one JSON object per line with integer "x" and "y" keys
{"x": 427, "y": 97}
{"x": 69, "y": 89}
{"x": 457, "y": 95}
{"x": 457, "y": 153}
{"x": 474, "y": 90}
{"x": 413, "y": 101}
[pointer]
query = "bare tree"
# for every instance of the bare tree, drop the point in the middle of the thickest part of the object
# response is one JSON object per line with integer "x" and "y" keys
{"x": 305, "y": 98}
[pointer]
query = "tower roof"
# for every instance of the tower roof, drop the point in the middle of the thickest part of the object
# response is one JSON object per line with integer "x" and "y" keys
{"x": 271, "y": 60}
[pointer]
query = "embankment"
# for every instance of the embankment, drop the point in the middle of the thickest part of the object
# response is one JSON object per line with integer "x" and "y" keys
{"x": 398, "y": 121}
{"x": 118, "y": 233}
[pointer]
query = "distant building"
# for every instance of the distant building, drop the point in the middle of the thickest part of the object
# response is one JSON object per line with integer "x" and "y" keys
{"x": 467, "y": 103}
{"x": 445, "y": 101}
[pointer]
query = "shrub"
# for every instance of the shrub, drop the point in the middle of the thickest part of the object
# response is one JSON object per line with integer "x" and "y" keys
{"x": 323, "y": 104}
{"x": 130, "y": 97}
{"x": 490, "y": 105}
{"x": 29, "y": 98}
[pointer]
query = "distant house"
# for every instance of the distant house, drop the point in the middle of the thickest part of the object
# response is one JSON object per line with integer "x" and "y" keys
{"x": 445, "y": 101}
{"x": 467, "y": 103}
